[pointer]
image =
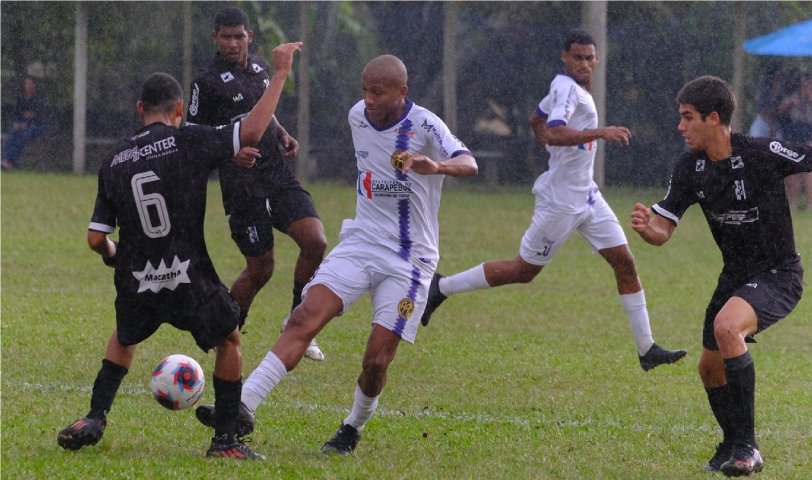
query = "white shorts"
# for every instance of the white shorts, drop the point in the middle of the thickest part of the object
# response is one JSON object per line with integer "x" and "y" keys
{"x": 398, "y": 288}
{"x": 551, "y": 227}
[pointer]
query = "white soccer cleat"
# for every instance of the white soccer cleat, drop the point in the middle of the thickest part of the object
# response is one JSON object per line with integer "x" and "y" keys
{"x": 313, "y": 352}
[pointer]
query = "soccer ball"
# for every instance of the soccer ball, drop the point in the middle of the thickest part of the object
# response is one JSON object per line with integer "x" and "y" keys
{"x": 177, "y": 382}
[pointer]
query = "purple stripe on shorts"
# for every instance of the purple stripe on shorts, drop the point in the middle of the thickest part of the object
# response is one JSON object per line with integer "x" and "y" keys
{"x": 400, "y": 324}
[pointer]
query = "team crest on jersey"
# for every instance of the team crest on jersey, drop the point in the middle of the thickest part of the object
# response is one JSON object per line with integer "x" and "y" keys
{"x": 700, "y": 165}
{"x": 406, "y": 308}
{"x": 408, "y": 133}
{"x": 193, "y": 105}
{"x": 736, "y": 162}
{"x": 397, "y": 161}
{"x": 227, "y": 77}
{"x": 256, "y": 67}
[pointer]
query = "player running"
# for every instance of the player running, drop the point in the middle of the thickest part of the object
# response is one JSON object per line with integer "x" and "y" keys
{"x": 568, "y": 200}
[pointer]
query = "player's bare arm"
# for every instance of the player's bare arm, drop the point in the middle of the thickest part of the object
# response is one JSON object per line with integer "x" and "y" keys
{"x": 289, "y": 143}
{"x": 100, "y": 244}
{"x": 539, "y": 127}
{"x": 254, "y": 126}
{"x": 460, "y": 166}
{"x": 656, "y": 230}
{"x": 563, "y": 136}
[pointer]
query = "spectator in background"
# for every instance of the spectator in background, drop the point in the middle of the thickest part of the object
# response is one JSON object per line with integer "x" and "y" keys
{"x": 768, "y": 99}
{"x": 796, "y": 124}
{"x": 28, "y": 124}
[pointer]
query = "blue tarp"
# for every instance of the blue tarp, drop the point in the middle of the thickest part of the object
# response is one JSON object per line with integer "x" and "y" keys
{"x": 792, "y": 41}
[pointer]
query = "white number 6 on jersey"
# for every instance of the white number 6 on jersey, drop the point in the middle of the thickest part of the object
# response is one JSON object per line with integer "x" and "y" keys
{"x": 145, "y": 200}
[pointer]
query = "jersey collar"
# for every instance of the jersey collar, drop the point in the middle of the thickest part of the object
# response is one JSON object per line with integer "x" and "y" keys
{"x": 409, "y": 104}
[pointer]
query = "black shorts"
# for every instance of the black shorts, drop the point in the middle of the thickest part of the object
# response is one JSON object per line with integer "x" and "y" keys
{"x": 772, "y": 294}
{"x": 206, "y": 311}
{"x": 253, "y": 223}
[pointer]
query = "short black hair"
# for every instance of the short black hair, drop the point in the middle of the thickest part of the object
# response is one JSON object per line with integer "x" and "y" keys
{"x": 579, "y": 36}
{"x": 231, "y": 17}
{"x": 160, "y": 91}
{"x": 709, "y": 94}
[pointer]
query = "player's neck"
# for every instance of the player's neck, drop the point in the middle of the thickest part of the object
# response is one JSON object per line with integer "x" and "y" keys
{"x": 159, "y": 118}
{"x": 719, "y": 147}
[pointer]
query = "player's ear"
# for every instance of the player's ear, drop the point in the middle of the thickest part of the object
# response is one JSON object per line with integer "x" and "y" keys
{"x": 140, "y": 106}
{"x": 250, "y": 36}
{"x": 214, "y": 36}
{"x": 179, "y": 109}
{"x": 714, "y": 118}
{"x": 403, "y": 91}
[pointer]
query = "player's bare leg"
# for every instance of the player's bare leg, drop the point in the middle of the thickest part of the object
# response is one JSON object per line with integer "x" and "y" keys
{"x": 493, "y": 273}
{"x": 257, "y": 273}
{"x": 381, "y": 349}
{"x": 308, "y": 233}
{"x": 633, "y": 299}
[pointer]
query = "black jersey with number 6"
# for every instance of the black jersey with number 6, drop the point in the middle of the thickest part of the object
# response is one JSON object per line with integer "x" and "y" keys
{"x": 743, "y": 199}
{"x": 153, "y": 186}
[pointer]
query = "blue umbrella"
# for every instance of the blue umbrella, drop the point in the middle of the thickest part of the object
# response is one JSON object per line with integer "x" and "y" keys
{"x": 792, "y": 41}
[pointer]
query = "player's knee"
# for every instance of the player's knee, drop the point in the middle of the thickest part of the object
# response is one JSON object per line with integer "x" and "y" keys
{"x": 375, "y": 366}
{"x": 314, "y": 248}
{"x": 260, "y": 270}
{"x": 525, "y": 272}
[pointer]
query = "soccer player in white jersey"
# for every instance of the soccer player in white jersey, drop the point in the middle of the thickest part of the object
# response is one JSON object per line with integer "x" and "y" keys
{"x": 568, "y": 200}
{"x": 390, "y": 249}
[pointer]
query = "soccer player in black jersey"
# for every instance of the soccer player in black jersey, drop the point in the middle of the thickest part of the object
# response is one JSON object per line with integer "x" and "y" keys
{"x": 266, "y": 196}
{"x": 153, "y": 186}
{"x": 738, "y": 181}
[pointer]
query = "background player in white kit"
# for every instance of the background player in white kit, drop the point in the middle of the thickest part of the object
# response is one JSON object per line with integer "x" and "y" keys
{"x": 390, "y": 249}
{"x": 568, "y": 200}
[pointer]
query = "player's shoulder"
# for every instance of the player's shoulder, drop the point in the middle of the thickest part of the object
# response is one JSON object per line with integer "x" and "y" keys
{"x": 765, "y": 146}
{"x": 423, "y": 117}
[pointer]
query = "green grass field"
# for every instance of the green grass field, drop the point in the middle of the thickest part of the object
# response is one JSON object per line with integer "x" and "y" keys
{"x": 536, "y": 381}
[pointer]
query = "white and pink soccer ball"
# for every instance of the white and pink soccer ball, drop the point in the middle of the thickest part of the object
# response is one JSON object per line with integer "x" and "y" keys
{"x": 177, "y": 382}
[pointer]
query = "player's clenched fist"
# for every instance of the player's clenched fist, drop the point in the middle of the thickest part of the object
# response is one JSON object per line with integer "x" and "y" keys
{"x": 641, "y": 216}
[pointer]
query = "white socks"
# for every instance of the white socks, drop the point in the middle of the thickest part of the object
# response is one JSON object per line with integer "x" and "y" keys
{"x": 262, "y": 380}
{"x": 635, "y": 306}
{"x": 362, "y": 409}
{"x": 473, "y": 279}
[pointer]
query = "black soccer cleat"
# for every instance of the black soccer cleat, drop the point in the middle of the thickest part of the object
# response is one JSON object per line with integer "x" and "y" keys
{"x": 226, "y": 447}
{"x": 723, "y": 453}
{"x": 343, "y": 442}
{"x": 436, "y": 298}
{"x": 85, "y": 432}
{"x": 745, "y": 460}
{"x": 657, "y": 356}
{"x": 245, "y": 420}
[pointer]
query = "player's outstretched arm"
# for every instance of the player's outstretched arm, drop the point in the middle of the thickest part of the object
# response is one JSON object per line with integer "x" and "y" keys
{"x": 563, "y": 136}
{"x": 254, "y": 125}
{"x": 655, "y": 231}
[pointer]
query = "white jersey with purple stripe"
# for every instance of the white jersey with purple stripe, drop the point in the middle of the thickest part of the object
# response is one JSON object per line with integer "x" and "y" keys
{"x": 396, "y": 210}
{"x": 568, "y": 183}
